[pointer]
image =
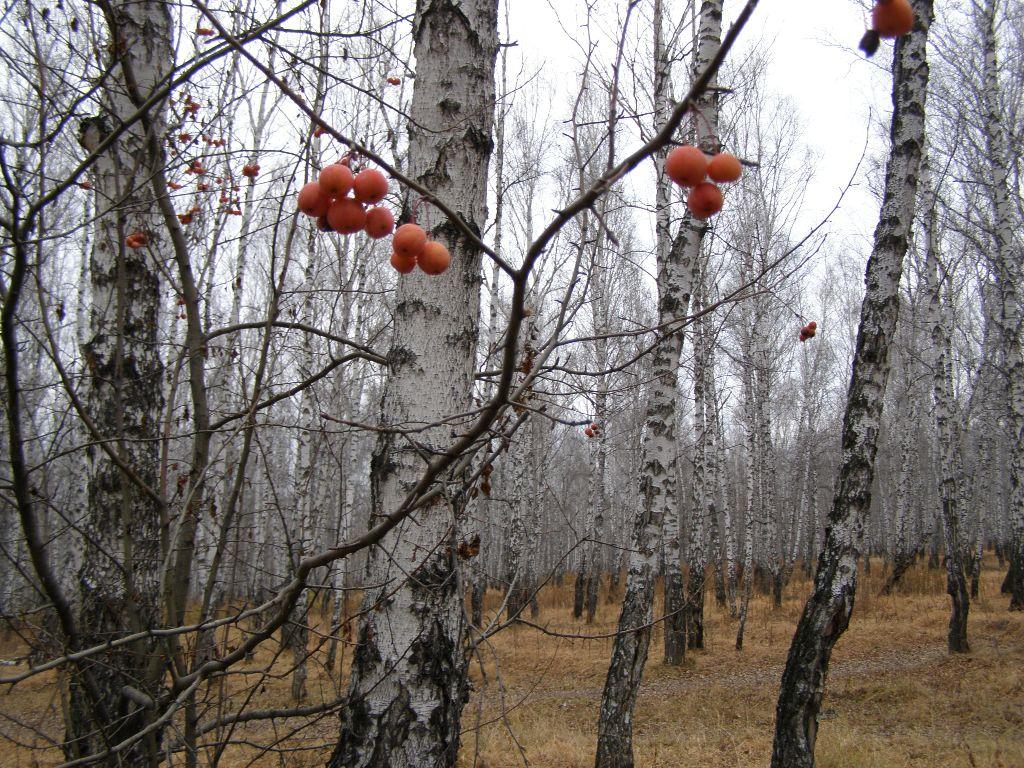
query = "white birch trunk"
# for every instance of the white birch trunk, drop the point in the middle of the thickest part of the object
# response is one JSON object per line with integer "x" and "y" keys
{"x": 408, "y": 678}
{"x": 1009, "y": 275}
{"x": 827, "y": 612}
{"x": 950, "y": 463}
{"x": 659, "y": 459}
{"x": 120, "y": 583}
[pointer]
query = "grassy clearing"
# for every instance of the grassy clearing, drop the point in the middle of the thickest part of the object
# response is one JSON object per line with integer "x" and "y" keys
{"x": 895, "y": 697}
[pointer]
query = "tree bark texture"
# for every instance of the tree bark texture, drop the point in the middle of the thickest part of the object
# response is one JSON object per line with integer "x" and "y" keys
{"x": 827, "y": 612}
{"x": 408, "y": 679}
{"x": 119, "y": 583}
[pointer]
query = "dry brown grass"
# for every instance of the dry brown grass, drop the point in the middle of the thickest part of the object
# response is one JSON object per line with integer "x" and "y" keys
{"x": 895, "y": 697}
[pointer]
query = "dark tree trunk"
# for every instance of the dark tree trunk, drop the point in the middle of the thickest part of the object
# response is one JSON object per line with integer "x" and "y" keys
{"x": 975, "y": 577}
{"x": 694, "y": 612}
{"x": 593, "y": 588}
{"x": 778, "y": 584}
{"x": 827, "y": 612}
{"x": 476, "y": 601}
{"x": 956, "y": 588}
{"x": 1014, "y": 582}
{"x": 901, "y": 563}
{"x": 675, "y": 619}
{"x": 579, "y": 597}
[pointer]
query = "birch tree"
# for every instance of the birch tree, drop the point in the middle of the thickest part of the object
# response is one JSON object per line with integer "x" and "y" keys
{"x": 408, "y": 673}
{"x": 120, "y": 580}
{"x": 827, "y": 612}
{"x": 659, "y": 451}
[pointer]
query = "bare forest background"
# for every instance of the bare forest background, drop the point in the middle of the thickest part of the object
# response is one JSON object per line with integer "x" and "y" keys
{"x": 265, "y": 501}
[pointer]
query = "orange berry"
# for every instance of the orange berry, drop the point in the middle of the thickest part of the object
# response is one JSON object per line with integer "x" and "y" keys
{"x": 379, "y": 223}
{"x": 588, "y": 432}
{"x": 312, "y": 200}
{"x": 136, "y": 240}
{"x": 686, "y": 166}
{"x": 346, "y": 216}
{"x": 336, "y": 180}
{"x": 434, "y": 258}
{"x": 892, "y": 18}
{"x": 403, "y": 263}
{"x": 724, "y": 168}
{"x": 704, "y": 200}
{"x": 370, "y": 186}
{"x": 409, "y": 240}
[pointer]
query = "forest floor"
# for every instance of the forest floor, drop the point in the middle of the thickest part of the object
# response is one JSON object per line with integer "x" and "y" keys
{"x": 894, "y": 697}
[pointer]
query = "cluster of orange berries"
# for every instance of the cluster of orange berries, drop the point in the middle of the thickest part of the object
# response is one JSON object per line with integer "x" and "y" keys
{"x": 889, "y": 18}
{"x": 136, "y": 240}
{"x": 688, "y": 166}
{"x": 809, "y": 331}
{"x": 204, "y": 32}
{"x": 250, "y": 171}
{"x": 593, "y": 430}
{"x": 411, "y": 249}
{"x": 328, "y": 201}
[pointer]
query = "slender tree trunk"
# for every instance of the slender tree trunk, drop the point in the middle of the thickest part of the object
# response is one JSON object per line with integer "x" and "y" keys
{"x": 659, "y": 458}
{"x": 827, "y": 612}
{"x": 1009, "y": 276}
{"x": 408, "y": 679}
{"x": 950, "y": 463}
{"x": 904, "y": 552}
{"x": 703, "y": 488}
{"x": 750, "y": 443}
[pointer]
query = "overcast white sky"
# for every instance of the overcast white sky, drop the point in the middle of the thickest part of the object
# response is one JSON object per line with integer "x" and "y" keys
{"x": 815, "y": 62}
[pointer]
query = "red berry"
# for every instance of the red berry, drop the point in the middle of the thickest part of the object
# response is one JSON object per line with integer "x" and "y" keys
{"x": 370, "y": 186}
{"x": 686, "y": 166}
{"x": 346, "y": 216}
{"x": 409, "y": 240}
{"x": 892, "y": 18}
{"x": 724, "y": 168}
{"x": 403, "y": 263}
{"x": 312, "y": 201}
{"x": 434, "y": 258}
{"x": 336, "y": 180}
{"x": 379, "y": 223}
{"x": 704, "y": 200}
